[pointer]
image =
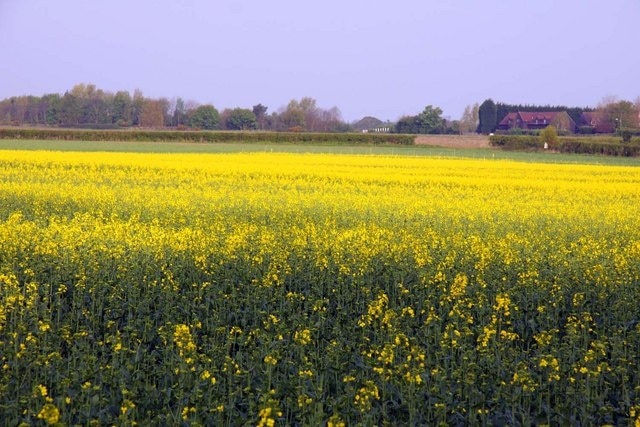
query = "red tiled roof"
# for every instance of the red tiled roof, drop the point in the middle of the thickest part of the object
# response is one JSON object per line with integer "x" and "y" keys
{"x": 510, "y": 117}
{"x": 533, "y": 120}
{"x": 529, "y": 117}
{"x": 592, "y": 117}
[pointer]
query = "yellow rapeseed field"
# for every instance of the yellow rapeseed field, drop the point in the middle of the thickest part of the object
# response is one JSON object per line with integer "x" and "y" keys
{"x": 317, "y": 289}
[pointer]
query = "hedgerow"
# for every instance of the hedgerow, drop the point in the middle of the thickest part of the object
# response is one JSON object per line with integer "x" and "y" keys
{"x": 204, "y": 136}
{"x": 610, "y": 146}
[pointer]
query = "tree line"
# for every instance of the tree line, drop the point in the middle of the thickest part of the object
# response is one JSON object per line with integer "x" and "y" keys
{"x": 86, "y": 106}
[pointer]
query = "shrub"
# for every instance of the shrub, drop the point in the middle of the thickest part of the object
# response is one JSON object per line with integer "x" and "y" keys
{"x": 549, "y": 135}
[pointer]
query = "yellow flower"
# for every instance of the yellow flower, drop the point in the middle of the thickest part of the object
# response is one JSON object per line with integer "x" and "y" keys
{"x": 270, "y": 360}
{"x": 302, "y": 337}
{"x": 187, "y": 412}
{"x": 365, "y": 396}
{"x": 41, "y": 390}
{"x": 502, "y": 304}
{"x": 335, "y": 421}
{"x": 459, "y": 285}
{"x": 544, "y": 338}
{"x": 408, "y": 312}
{"x": 304, "y": 400}
{"x": 305, "y": 373}
{"x": 49, "y": 414}
{"x": 127, "y": 405}
{"x": 183, "y": 339}
{"x": 552, "y": 366}
{"x": 267, "y": 417}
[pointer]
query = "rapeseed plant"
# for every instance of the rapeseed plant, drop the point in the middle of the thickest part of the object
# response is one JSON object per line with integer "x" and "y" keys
{"x": 281, "y": 289}
{"x": 49, "y": 414}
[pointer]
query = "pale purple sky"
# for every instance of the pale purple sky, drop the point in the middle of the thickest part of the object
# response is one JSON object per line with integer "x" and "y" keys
{"x": 367, "y": 57}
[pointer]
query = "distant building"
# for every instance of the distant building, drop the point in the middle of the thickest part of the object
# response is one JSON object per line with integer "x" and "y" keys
{"x": 380, "y": 129}
{"x": 597, "y": 121}
{"x": 538, "y": 120}
{"x": 367, "y": 123}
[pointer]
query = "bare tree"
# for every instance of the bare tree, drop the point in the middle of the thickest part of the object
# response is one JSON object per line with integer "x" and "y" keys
{"x": 137, "y": 105}
{"x": 311, "y": 113}
{"x": 330, "y": 120}
{"x": 122, "y": 108}
{"x": 469, "y": 119}
{"x": 19, "y": 109}
{"x": 97, "y": 105}
{"x": 619, "y": 114}
{"x": 152, "y": 114}
{"x": 305, "y": 114}
{"x": 224, "y": 116}
{"x": 292, "y": 117}
{"x": 607, "y": 100}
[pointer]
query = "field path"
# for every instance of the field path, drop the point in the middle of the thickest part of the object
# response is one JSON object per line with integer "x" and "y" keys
{"x": 454, "y": 141}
